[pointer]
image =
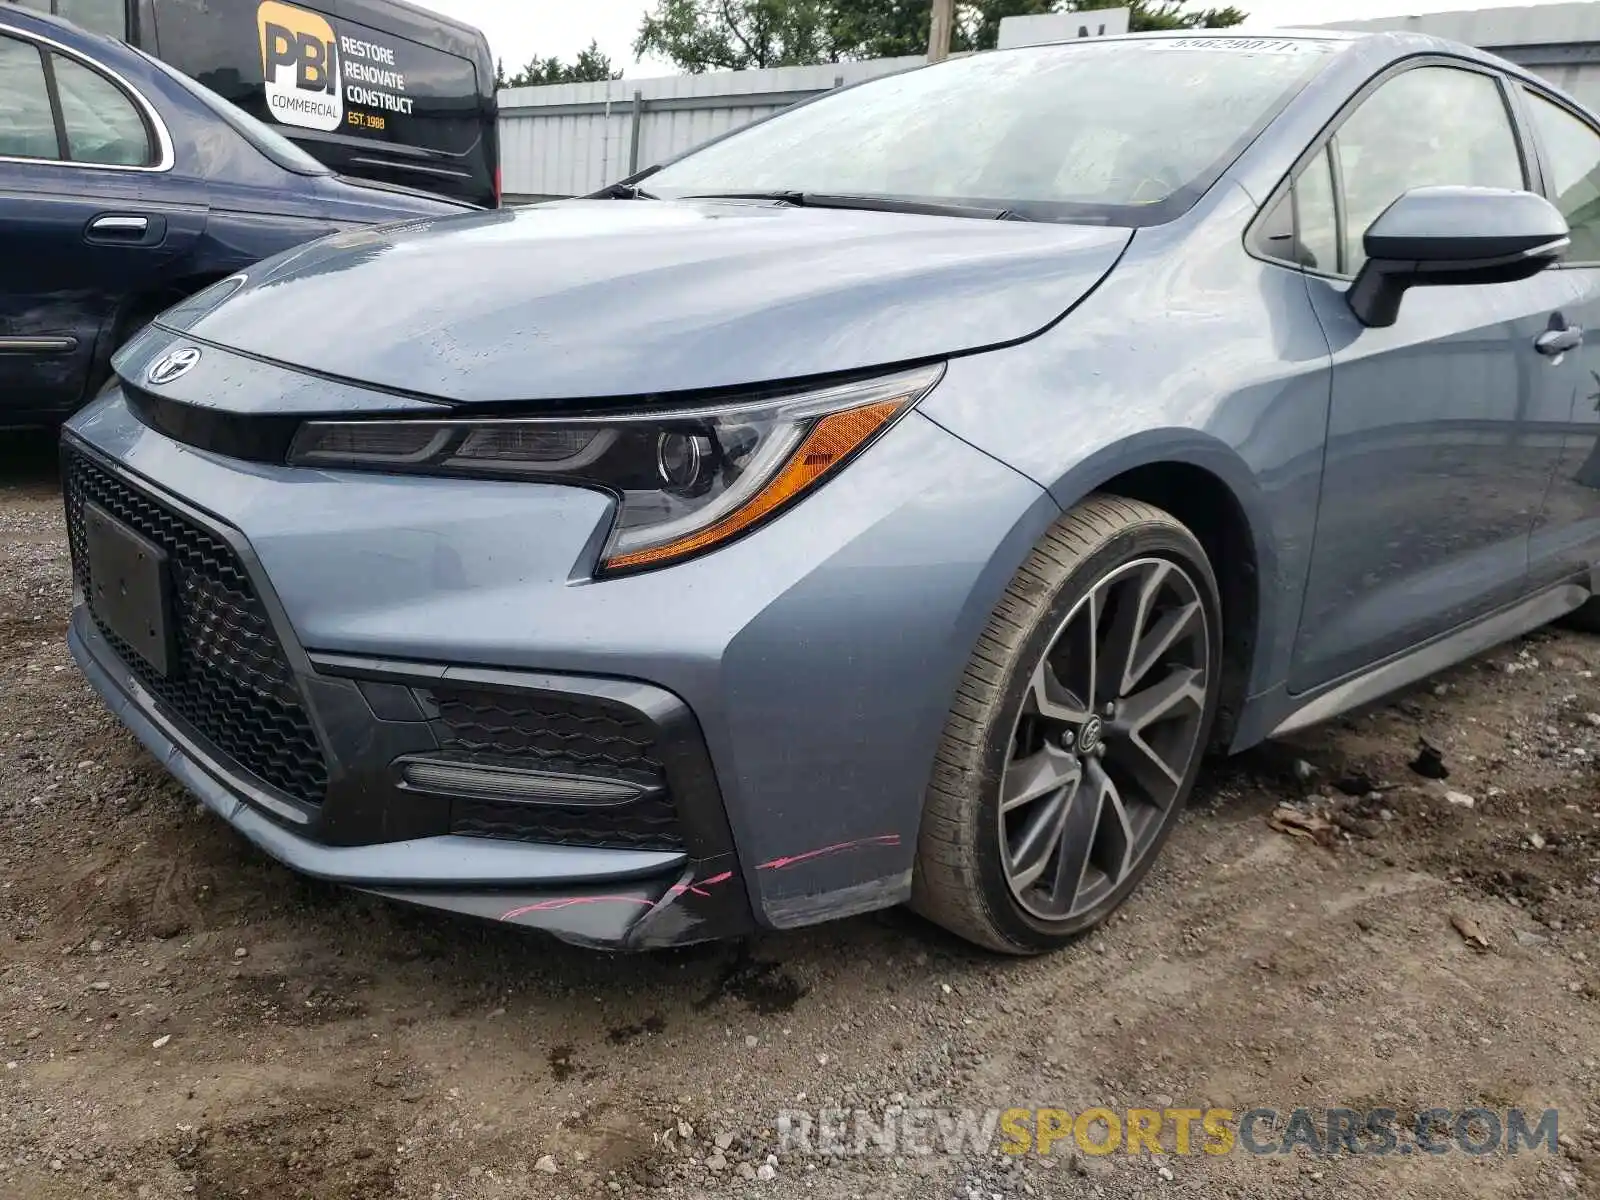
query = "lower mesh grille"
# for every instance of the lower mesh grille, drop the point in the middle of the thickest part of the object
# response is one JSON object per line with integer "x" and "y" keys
{"x": 565, "y": 734}
{"x": 230, "y": 682}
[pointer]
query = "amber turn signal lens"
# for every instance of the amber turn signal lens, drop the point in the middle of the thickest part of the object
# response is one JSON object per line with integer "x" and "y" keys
{"x": 832, "y": 440}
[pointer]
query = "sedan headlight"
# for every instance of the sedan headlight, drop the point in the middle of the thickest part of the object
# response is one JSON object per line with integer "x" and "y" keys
{"x": 687, "y": 479}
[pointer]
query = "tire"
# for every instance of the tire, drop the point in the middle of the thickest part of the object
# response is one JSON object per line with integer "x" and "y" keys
{"x": 1018, "y": 725}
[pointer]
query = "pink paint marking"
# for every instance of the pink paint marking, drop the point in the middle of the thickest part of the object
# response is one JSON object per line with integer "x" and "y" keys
{"x": 698, "y": 886}
{"x": 568, "y": 901}
{"x": 883, "y": 839}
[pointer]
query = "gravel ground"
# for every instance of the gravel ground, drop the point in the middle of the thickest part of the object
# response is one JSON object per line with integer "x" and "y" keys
{"x": 179, "y": 1016}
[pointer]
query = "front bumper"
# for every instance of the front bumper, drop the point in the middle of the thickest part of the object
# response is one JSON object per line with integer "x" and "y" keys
{"x": 585, "y": 894}
{"x": 793, "y": 685}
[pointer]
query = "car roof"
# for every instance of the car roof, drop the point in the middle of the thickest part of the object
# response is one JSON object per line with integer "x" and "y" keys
{"x": 1397, "y": 42}
{"x": 1374, "y": 46}
{"x": 429, "y": 14}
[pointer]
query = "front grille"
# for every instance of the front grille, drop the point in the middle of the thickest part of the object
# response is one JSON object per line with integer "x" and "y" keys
{"x": 230, "y": 682}
{"x": 581, "y": 736}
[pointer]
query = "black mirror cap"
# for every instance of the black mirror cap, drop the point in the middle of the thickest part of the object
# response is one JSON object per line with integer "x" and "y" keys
{"x": 1458, "y": 224}
{"x": 1458, "y": 236}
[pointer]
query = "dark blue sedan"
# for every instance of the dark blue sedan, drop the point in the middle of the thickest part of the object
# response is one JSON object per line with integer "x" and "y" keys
{"x": 125, "y": 186}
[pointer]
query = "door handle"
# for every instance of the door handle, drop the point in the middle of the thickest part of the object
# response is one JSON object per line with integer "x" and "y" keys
{"x": 137, "y": 226}
{"x": 126, "y": 229}
{"x": 1553, "y": 343}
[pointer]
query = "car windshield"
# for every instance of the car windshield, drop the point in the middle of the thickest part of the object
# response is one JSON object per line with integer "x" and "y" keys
{"x": 1113, "y": 131}
{"x": 274, "y": 145}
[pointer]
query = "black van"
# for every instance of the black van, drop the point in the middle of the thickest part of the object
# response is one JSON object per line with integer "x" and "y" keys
{"x": 381, "y": 89}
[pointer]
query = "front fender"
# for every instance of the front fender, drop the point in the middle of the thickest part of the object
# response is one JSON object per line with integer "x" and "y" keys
{"x": 1188, "y": 447}
{"x": 1277, "y": 592}
{"x": 1190, "y": 352}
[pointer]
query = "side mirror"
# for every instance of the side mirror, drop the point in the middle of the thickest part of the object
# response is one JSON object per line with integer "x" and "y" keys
{"x": 1435, "y": 236}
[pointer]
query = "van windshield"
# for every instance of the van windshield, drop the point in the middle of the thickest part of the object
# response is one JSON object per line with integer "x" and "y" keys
{"x": 1117, "y": 131}
{"x": 274, "y": 145}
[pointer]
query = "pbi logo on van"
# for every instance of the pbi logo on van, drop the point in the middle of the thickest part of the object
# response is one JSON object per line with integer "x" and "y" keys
{"x": 300, "y": 61}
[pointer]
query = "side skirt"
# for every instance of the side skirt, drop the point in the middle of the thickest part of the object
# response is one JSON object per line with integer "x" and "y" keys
{"x": 1433, "y": 657}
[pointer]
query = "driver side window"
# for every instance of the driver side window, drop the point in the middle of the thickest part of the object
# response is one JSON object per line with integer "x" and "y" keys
{"x": 1430, "y": 126}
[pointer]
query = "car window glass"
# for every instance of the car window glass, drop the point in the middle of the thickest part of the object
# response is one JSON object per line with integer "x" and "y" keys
{"x": 1316, "y": 221}
{"x": 1430, "y": 126}
{"x": 1572, "y": 153}
{"x": 109, "y": 17}
{"x": 27, "y": 129}
{"x": 102, "y": 124}
{"x": 1274, "y": 231}
{"x": 1009, "y": 129}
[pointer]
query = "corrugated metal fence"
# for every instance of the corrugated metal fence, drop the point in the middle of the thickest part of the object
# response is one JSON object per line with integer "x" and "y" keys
{"x": 573, "y": 138}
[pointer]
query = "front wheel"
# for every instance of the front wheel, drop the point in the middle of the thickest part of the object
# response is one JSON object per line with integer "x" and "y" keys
{"x": 1076, "y": 733}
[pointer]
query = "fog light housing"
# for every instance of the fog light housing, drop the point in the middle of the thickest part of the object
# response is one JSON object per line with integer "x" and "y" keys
{"x": 514, "y": 785}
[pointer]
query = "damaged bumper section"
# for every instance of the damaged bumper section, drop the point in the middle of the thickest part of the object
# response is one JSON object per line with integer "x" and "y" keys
{"x": 583, "y": 807}
{"x": 630, "y": 879}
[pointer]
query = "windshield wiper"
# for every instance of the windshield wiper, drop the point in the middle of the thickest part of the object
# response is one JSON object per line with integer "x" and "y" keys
{"x": 622, "y": 191}
{"x": 932, "y": 208}
{"x": 627, "y": 189}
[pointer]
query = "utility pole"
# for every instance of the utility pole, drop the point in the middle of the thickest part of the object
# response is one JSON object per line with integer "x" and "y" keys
{"x": 939, "y": 30}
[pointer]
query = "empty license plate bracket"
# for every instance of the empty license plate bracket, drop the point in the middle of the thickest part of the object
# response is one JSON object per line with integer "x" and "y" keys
{"x": 130, "y": 587}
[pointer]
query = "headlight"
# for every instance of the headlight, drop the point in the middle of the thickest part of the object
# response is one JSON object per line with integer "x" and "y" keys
{"x": 687, "y": 479}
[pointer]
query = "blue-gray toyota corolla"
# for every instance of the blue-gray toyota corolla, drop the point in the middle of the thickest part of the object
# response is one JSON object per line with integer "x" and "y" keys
{"x": 889, "y": 502}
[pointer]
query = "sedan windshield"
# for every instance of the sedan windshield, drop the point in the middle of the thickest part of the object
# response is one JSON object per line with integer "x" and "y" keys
{"x": 1115, "y": 131}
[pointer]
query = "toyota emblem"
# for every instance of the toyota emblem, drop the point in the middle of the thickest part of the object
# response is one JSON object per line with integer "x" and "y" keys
{"x": 173, "y": 365}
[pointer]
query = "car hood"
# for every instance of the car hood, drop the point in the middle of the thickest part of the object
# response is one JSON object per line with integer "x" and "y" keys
{"x": 623, "y": 298}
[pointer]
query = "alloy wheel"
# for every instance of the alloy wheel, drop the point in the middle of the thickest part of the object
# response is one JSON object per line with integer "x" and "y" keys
{"x": 1110, "y": 725}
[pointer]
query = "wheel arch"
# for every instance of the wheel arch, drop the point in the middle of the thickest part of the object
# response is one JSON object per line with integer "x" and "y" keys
{"x": 1206, "y": 485}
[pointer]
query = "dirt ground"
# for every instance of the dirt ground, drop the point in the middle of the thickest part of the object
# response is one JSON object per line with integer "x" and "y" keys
{"x": 179, "y": 1016}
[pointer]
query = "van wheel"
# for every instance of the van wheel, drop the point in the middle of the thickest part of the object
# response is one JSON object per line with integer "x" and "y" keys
{"x": 1076, "y": 732}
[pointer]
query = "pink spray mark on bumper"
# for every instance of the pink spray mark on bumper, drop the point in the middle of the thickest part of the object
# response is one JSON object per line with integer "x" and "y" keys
{"x": 698, "y": 886}
{"x": 561, "y": 902}
{"x": 778, "y": 864}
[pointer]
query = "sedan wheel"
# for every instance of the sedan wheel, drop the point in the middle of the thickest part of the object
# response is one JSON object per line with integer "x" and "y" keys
{"x": 1059, "y": 778}
{"x": 1109, "y": 726}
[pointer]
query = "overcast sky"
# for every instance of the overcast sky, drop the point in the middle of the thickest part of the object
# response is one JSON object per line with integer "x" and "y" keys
{"x": 519, "y": 29}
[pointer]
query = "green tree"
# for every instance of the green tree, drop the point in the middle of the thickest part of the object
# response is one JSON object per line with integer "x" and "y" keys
{"x": 730, "y": 35}
{"x": 735, "y": 35}
{"x": 591, "y": 66}
{"x": 875, "y": 29}
{"x": 1167, "y": 14}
